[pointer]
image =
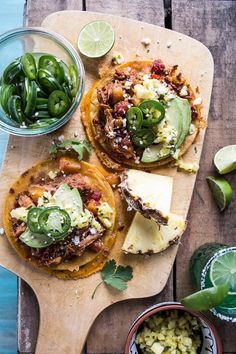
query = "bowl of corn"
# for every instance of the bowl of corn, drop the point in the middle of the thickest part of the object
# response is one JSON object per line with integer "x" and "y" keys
{"x": 169, "y": 328}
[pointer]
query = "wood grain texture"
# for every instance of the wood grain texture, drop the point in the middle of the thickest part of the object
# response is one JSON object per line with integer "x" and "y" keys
{"x": 36, "y": 10}
{"x": 115, "y": 315}
{"x": 109, "y": 332}
{"x": 119, "y": 320}
{"x": 213, "y": 23}
{"x": 148, "y": 11}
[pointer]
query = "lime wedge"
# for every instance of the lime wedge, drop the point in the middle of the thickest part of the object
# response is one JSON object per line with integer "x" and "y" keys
{"x": 96, "y": 39}
{"x": 206, "y": 299}
{"x": 221, "y": 190}
{"x": 223, "y": 271}
{"x": 225, "y": 159}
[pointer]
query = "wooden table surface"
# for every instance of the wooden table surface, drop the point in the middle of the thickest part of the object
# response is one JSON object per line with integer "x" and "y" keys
{"x": 212, "y": 22}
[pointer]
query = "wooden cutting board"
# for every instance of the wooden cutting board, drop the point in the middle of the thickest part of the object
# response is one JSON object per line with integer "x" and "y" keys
{"x": 66, "y": 308}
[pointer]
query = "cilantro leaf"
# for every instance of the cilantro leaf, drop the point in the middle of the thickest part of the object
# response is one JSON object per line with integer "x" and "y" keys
{"x": 115, "y": 276}
{"x": 53, "y": 149}
{"x": 125, "y": 273}
{"x": 81, "y": 147}
{"x": 108, "y": 269}
{"x": 117, "y": 283}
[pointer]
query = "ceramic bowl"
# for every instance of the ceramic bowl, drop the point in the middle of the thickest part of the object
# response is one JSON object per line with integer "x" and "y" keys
{"x": 211, "y": 343}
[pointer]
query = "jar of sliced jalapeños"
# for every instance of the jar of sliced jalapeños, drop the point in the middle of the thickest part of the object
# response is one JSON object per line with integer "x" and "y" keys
{"x": 37, "y": 90}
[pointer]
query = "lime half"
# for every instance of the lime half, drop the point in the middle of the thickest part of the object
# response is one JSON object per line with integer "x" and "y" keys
{"x": 221, "y": 191}
{"x": 223, "y": 271}
{"x": 225, "y": 159}
{"x": 96, "y": 39}
{"x": 206, "y": 299}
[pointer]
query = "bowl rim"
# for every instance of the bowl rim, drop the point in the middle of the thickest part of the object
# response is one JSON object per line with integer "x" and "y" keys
{"x": 67, "y": 46}
{"x": 170, "y": 306}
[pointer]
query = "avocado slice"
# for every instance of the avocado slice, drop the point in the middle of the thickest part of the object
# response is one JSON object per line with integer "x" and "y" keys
{"x": 70, "y": 200}
{"x": 155, "y": 153}
{"x": 173, "y": 118}
{"x": 187, "y": 118}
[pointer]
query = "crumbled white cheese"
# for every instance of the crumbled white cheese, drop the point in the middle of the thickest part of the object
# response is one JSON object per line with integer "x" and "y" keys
{"x": 52, "y": 174}
{"x": 93, "y": 231}
{"x": 197, "y": 101}
{"x": 175, "y": 155}
{"x": 183, "y": 91}
{"x": 152, "y": 89}
{"x": 146, "y": 41}
{"x": 127, "y": 84}
{"x": 117, "y": 59}
{"x": 76, "y": 240}
{"x": 1, "y": 231}
{"x": 166, "y": 135}
{"x": 61, "y": 138}
{"x": 192, "y": 129}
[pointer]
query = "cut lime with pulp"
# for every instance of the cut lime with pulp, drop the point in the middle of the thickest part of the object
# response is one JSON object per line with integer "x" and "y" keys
{"x": 221, "y": 191}
{"x": 225, "y": 159}
{"x": 223, "y": 271}
{"x": 96, "y": 39}
{"x": 206, "y": 299}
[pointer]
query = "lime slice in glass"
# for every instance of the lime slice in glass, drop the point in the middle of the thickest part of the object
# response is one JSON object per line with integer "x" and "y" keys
{"x": 96, "y": 39}
{"x": 221, "y": 191}
{"x": 206, "y": 299}
{"x": 225, "y": 159}
{"x": 223, "y": 271}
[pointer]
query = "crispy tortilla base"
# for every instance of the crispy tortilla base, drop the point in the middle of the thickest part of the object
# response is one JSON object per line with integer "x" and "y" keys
{"x": 89, "y": 262}
{"x": 89, "y": 110}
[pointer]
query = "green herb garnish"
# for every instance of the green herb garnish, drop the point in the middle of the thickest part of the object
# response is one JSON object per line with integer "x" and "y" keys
{"x": 81, "y": 147}
{"x": 115, "y": 276}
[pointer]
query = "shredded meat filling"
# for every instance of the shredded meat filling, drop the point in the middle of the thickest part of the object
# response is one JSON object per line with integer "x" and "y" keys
{"x": 117, "y": 96}
{"x": 79, "y": 239}
{"x": 73, "y": 245}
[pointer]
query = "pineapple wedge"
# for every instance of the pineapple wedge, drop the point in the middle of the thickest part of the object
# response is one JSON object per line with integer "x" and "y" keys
{"x": 148, "y": 193}
{"x": 146, "y": 236}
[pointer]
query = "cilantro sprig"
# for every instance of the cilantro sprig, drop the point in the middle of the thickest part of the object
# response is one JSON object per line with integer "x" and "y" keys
{"x": 115, "y": 276}
{"x": 81, "y": 147}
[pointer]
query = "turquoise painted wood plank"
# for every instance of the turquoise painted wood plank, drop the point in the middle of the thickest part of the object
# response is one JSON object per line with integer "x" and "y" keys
{"x": 11, "y": 15}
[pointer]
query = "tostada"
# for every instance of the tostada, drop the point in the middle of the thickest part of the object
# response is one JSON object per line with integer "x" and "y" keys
{"x": 60, "y": 216}
{"x": 142, "y": 114}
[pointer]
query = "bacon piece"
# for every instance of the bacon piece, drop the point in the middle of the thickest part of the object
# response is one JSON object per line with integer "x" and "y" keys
{"x": 120, "y": 75}
{"x": 25, "y": 201}
{"x": 18, "y": 229}
{"x": 69, "y": 165}
{"x": 98, "y": 246}
{"x": 158, "y": 67}
{"x": 121, "y": 108}
{"x": 67, "y": 248}
{"x": 96, "y": 196}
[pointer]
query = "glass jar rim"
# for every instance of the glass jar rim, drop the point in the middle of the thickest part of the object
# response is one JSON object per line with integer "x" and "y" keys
{"x": 204, "y": 274}
{"x": 67, "y": 46}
